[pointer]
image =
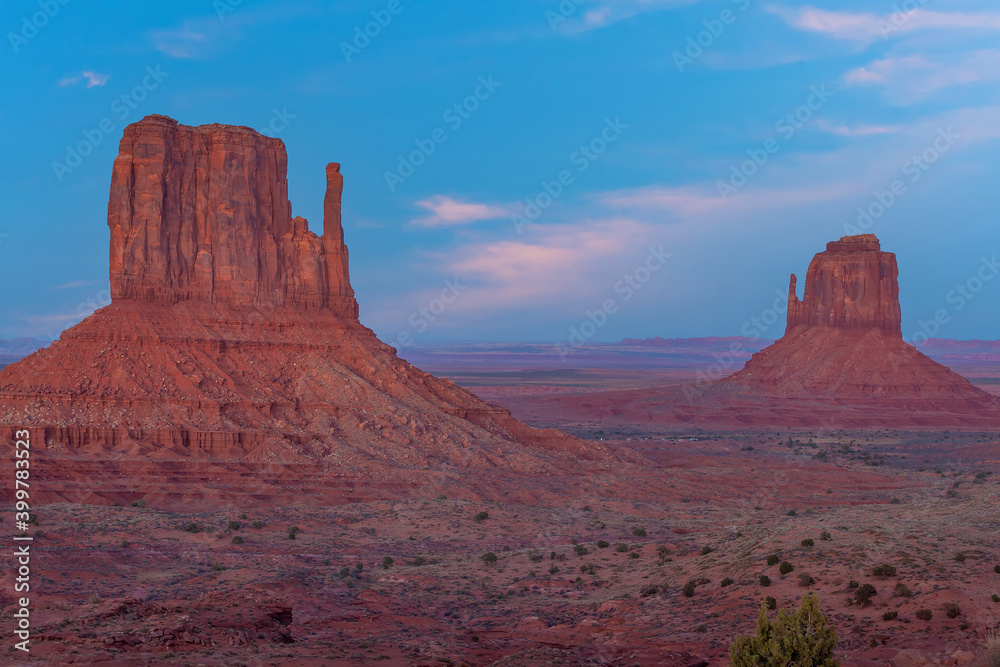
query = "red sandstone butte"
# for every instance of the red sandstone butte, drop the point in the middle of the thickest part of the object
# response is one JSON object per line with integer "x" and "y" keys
{"x": 231, "y": 361}
{"x": 843, "y": 339}
{"x": 842, "y": 363}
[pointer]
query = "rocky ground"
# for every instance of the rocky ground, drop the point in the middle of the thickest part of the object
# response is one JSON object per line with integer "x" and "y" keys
{"x": 581, "y": 580}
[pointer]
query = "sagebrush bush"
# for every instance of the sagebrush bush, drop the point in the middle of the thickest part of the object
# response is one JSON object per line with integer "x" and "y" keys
{"x": 884, "y": 570}
{"x": 863, "y": 595}
{"x": 773, "y": 560}
{"x": 924, "y": 614}
{"x": 795, "y": 639}
{"x": 688, "y": 589}
{"x": 764, "y": 580}
{"x": 785, "y": 567}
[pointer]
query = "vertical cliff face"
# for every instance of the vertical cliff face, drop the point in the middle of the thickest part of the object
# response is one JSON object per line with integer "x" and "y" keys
{"x": 202, "y": 213}
{"x": 852, "y": 285}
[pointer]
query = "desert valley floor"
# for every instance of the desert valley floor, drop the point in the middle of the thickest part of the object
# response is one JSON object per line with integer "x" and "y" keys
{"x": 663, "y": 570}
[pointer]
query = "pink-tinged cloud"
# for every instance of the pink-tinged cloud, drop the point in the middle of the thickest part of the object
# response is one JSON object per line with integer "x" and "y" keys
{"x": 911, "y": 78}
{"x": 856, "y": 131}
{"x": 550, "y": 264}
{"x": 866, "y": 27}
{"x": 448, "y": 212}
{"x": 93, "y": 79}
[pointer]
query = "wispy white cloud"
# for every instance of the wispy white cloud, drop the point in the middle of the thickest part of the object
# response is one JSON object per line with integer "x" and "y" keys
{"x": 187, "y": 41}
{"x": 448, "y": 212}
{"x": 909, "y": 78}
{"x": 92, "y": 78}
{"x": 594, "y": 14}
{"x": 855, "y": 131}
{"x": 867, "y": 27}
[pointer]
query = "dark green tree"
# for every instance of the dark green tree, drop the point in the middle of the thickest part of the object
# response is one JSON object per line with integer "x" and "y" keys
{"x": 803, "y": 638}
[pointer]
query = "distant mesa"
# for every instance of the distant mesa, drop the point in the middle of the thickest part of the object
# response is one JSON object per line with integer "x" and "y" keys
{"x": 231, "y": 365}
{"x": 841, "y": 364}
{"x": 843, "y": 338}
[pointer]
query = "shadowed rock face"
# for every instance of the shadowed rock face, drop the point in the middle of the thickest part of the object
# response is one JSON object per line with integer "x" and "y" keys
{"x": 852, "y": 285}
{"x": 231, "y": 361}
{"x": 202, "y": 213}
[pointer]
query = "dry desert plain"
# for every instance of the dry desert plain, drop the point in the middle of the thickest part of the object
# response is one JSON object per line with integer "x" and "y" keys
{"x": 658, "y": 568}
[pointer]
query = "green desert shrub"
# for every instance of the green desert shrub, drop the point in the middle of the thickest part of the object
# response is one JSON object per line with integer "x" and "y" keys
{"x": 764, "y": 580}
{"x": 890, "y": 615}
{"x": 785, "y": 567}
{"x": 650, "y": 590}
{"x": 234, "y": 525}
{"x": 795, "y": 639}
{"x": 639, "y": 532}
{"x": 884, "y": 570}
{"x": 603, "y": 544}
{"x": 773, "y": 560}
{"x": 825, "y": 536}
{"x": 995, "y": 597}
{"x": 688, "y": 589}
{"x": 621, "y": 547}
{"x": 902, "y": 590}
{"x": 863, "y": 595}
{"x": 996, "y": 568}
{"x": 580, "y": 549}
{"x": 705, "y": 550}
{"x": 952, "y": 610}
{"x": 727, "y": 582}
{"x": 808, "y": 542}
{"x": 771, "y": 603}
{"x": 387, "y": 562}
{"x": 482, "y": 516}
{"x": 489, "y": 558}
{"x": 238, "y": 540}
{"x": 924, "y": 614}
{"x": 806, "y": 580}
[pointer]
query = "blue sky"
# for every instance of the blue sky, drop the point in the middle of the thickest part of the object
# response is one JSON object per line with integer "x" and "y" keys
{"x": 643, "y": 107}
